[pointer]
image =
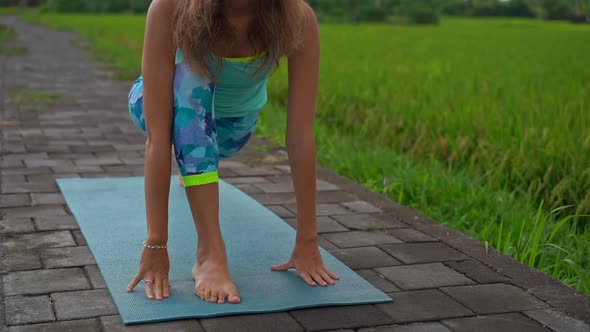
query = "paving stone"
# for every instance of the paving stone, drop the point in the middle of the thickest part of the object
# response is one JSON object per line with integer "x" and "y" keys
{"x": 77, "y": 169}
{"x": 26, "y": 171}
{"x": 54, "y": 198}
{"x": 44, "y": 281}
{"x": 378, "y": 281}
{"x": 360, "y": 239}
{"x": 423, "y": 305}
{"x": 11, "y": 163}
{"x": 20, "y": 188}
{"x": 12, "y": 178}
{"x": 280, "y": 211}
{"x": 115, "y": 324}
{"x": 133, "y": 161}
{"x": 122, "y": 168}
{"x": 230, "y": 164}
{"x": 46, "y": 148}
{"x": 325, "y": 224}
{"x": 409, "y": 235}
{"x": 322, "y": 209}
{"x": 421, "y": 276}
{"x": 79, "y": 237}
{"x": 248, "y": 189}
{"x": 55, "y": 223}
{"x": 37, "y": 178}
{"x": 410, "y": 253}
{"x": 477, "y": 271}
{"x": 34, "y": 211}
{"x": 101, "y": 148}
{"x": 334, "y": 196}
{"x": 415, "y": 327}
{"x": 13, "y": 200}
{"x": 66, "y": 257}
{"x": 96, "y": 279}
{"x": 16, "y": 225}
{"x": 278, "y": 198}
{"x": 85, "y": 325}
{"x": 369, "y": 221}
{"x": 255, "y": 171}
{"x": 25, "y": 156}
{"x": 494, "y": 298}
{"x": 99, "y": 161}
{"x": 247, "y": 180}
{"x": 324, "y": 243}
{"x": 28, "y": 309}
{"x": 19, "y": 261}
{"x": 27, "y": 241}
{"x": 284, "y": 168}
{"x": 225, "y": 173}
{"x": 558, "y": 320}
{"x": 511, "y": 322}
{"x": 83, "y": 304}
{"x": 364, "y": 257}
{"x": 287, "y": 186}
{"x": 361, "y": 207}
{"x": 326, "y": 318}
{"x": 255, "y": 323}
{"x": 47, "y": 163}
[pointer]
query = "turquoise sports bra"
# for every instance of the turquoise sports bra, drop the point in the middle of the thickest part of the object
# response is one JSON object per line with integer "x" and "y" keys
{"x": 238, "y": 91}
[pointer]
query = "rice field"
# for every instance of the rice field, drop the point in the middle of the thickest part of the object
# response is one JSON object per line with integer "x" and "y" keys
{"x": 481, "y": 124}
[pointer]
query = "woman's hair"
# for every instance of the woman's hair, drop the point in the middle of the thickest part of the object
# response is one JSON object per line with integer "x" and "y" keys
{"x": 276, "y": 31}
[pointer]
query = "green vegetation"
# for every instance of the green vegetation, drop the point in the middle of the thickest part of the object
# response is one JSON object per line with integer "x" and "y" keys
{"x": 4, "y": 11}
{"x": 7, "y": 40}
{"x": 34, "y": 100}
{"x": 479, "y": 124}
{"x": 410, "y": 11}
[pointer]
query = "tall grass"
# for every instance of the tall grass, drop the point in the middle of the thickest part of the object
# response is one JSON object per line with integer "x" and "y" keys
{"x": 481, "y": 124}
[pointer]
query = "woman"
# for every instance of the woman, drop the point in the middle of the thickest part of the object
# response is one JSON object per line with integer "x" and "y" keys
{"x": 204, "y": 73}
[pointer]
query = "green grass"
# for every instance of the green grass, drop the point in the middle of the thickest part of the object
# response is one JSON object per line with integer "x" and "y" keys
{"x": 34, "y": 100}
{"x": 482, "y": 125}
{"x": 5, "y": 11}
{"x": 7, "y": 39}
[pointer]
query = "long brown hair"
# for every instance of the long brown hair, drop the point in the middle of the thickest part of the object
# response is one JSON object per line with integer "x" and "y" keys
{"x": 277, "y": 30}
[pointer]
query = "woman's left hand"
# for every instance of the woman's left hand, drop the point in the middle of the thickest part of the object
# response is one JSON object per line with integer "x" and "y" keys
{"x": 306, "y": 259}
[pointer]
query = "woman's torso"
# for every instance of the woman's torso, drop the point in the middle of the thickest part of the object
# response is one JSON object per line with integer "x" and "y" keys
{"x": 240, "y": 87}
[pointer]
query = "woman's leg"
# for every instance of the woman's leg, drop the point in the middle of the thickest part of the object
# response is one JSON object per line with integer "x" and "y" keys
{"x": 197, "y": 154}
{"x": 233, "y": 133}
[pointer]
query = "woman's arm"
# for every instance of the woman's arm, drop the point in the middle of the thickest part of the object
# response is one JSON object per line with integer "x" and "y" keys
{"x": 158, "y": 74}
{"x": 301, "y": 106}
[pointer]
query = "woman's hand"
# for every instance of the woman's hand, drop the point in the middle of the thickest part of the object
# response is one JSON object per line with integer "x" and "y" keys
{"x": 306, "y": 259}
{"x": 153, "y": 269}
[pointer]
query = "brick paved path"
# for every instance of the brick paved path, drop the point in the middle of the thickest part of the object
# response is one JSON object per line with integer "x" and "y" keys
{"x": 441, "y": 280}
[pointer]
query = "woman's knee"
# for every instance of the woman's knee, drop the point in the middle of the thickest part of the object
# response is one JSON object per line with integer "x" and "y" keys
{"x": 194, "y": 133}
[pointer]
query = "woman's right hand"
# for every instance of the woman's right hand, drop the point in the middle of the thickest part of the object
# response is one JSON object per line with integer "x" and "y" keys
{"x": 153, "y": 270}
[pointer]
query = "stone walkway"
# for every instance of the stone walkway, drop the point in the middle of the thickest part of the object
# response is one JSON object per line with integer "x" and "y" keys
{"x": 440, "y": 279}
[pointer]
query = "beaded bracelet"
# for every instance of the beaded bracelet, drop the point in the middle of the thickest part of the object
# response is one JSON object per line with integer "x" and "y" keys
{"x": 155, "y": 246}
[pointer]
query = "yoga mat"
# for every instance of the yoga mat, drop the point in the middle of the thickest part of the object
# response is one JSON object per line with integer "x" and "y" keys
{"x": 111, "y": 215}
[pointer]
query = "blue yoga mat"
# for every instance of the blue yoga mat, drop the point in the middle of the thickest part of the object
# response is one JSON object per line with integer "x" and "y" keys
{"x": 111, "y": 215}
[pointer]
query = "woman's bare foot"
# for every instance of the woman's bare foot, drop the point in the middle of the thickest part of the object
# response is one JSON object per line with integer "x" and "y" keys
{"x": 213, "y": 282}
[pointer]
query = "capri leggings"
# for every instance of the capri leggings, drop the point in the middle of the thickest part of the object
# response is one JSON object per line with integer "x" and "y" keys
{"x": 200, "y": 139}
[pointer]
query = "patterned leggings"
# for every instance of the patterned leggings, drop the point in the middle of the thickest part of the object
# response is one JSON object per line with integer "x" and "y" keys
{"x": 200, "y": 139}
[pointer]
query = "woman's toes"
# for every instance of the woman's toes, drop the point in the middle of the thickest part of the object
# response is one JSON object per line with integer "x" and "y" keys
{"x": 233, "y": 298}
{"x": 221, "y": 298}
{"x": 213, "y": 297}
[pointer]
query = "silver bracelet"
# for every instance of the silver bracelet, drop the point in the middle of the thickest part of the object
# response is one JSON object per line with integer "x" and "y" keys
{"x": 155, "y": 246}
